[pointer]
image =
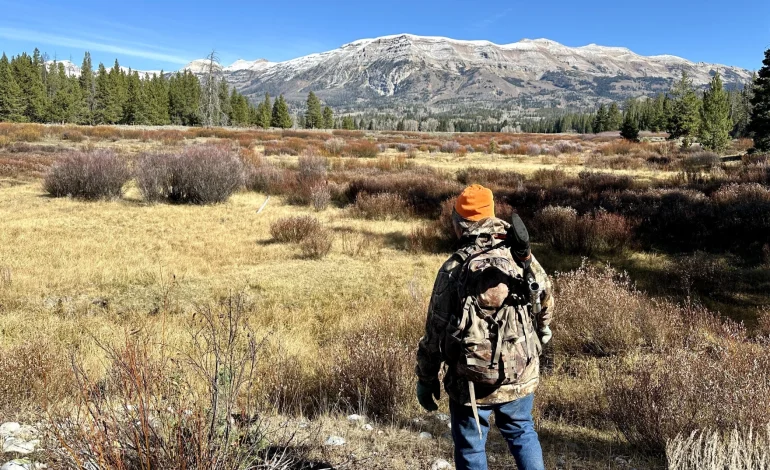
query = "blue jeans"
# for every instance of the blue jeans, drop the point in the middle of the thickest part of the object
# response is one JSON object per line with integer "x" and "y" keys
{"x": 513, "y": 419}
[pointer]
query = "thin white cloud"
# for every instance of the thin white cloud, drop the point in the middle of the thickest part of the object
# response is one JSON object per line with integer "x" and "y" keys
{"x": 56, "y": 40}
{"x": 492, "y": 19}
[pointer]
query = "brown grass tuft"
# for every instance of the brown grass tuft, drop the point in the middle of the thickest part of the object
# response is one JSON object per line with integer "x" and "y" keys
{"x": 294, "y": 229}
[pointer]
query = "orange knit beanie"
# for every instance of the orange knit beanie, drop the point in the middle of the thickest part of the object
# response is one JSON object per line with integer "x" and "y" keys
{"x": 475, "y": 203}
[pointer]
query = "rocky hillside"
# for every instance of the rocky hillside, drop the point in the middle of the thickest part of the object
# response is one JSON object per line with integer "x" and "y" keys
{"x": 442, "y": 73}
{"x": 404, "y": 70}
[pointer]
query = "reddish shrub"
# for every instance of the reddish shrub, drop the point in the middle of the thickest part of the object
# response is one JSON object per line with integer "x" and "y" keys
{"x": 381, "y": 206}
{"x": 424, "y": 190}
{"x": 362, "y": 149}
{"x": 491, "y": 178}
{"x": 550, "y": 178}
{"x": 268, "y": 179}
{"x": 294, "y": 229}
{"x": 564, "y": 230}
{"x": 200, "y": 174}
{"x": 675, "y": 394}
{"x": 99, "y": 174}
{"x": 334, "y": 146}
{"x": 317, "y": 244}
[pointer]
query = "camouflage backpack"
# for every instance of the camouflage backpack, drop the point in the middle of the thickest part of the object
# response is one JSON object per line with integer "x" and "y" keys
{"x": 493, "y": 339}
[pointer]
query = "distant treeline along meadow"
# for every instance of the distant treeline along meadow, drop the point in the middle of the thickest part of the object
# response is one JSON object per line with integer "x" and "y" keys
{"x": 35, "y": 90}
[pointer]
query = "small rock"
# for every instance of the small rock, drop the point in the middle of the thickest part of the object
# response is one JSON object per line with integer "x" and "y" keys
{"x": 442, "y": 416}
{"x": 441, "y": 464}
{"x": 426, "y": 435}
{"x": 20, "y": 446}
{"x": 18, "y": 464}
{"x": 10, "y": 428}
{"x": 335, "y": 441}
{"x": 491, "y": 458}
{"x": 367, "y": 427}
{"x": 355, "y": 418}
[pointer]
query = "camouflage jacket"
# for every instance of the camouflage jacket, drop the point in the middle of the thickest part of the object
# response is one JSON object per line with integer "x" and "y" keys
{"x": 445, "y": 303}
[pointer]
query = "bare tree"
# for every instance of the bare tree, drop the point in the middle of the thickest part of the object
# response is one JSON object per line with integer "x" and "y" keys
{"x": 211, "y": 108}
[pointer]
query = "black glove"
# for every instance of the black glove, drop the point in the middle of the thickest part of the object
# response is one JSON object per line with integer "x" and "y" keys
{"x": 426, "y": 392}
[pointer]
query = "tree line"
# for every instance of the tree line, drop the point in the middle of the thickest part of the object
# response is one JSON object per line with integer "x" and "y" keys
{"x": 32, "y": 90}
{"x": 713, "y": 117}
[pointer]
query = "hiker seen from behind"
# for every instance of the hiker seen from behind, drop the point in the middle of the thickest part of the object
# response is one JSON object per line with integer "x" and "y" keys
{"x": 488, "y": 320}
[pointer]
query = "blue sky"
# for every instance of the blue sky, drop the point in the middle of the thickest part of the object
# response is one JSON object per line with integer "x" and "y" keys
{"x": 147, "y": 34}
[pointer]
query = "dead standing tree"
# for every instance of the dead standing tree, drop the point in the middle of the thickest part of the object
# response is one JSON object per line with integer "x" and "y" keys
{"x": 211, "y": 108}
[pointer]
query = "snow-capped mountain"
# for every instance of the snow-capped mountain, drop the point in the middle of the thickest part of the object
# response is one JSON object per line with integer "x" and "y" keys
{"x": 442, "y": 73}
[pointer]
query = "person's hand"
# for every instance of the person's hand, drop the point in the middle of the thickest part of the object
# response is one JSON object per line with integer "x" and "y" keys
{"x": 544, "y": 334}
{"x": 426, "y": 392}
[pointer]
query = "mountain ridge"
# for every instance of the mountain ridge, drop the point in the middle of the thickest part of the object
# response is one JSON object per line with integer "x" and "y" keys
{"x": 402, "y": 71}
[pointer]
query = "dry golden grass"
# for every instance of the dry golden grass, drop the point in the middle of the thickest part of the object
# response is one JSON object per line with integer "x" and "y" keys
{"x": 81, "y": 272}
{"x": 73, "y": 274}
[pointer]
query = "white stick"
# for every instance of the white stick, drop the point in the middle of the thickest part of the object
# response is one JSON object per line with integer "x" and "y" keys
{"x": 264, "y": 204}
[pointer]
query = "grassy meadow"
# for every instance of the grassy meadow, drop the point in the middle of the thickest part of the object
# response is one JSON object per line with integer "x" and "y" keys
{"x": 116, "y": 305}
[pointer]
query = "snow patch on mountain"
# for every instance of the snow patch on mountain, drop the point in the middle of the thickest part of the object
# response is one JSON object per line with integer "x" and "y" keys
{"x": 240, "y": 64}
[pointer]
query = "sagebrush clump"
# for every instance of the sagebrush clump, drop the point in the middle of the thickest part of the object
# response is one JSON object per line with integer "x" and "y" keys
{"x": 199, "y": 174}
{"x": 100, "y": 174}
{"x": 294, "y": 229}
{"x": 381, "y": 206}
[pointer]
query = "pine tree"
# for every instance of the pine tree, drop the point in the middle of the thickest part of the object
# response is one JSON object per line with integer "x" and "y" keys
{"x": 684, "y": 119}
{"x": 107, "y": 107}
{"x": 658, "y": 117}
{"x": 118, "y": 92}
{"x": 184, "y": 94}
{"x": 629, "y": 129}
{"x": 265, "y": 113}
{"x": 156, "y": 98}
{"x": 33, "y": 96}
{"x": 740, "y": 108}
{"x": 313, "y": 115}
{"x": 66, "y": 104}
{"x": 601, "y": 122}
{"x": 759, "y": 124}
{"x": 328, "y": 118}
{"x": 253, "y": 115}
{"x": 88, "y": 89}
{"x": 614, "y": 118}
{"x": 281, "y": 117}
{"x": 135, "y": 107}
{"x": 11, "y": 106}
{"x": 714, "y": 131}
{"x": 53, "y": 84}
{"x": 239, "y": 109}
{"x": 348, "y": 123}
{"x": 225, "y": 104}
